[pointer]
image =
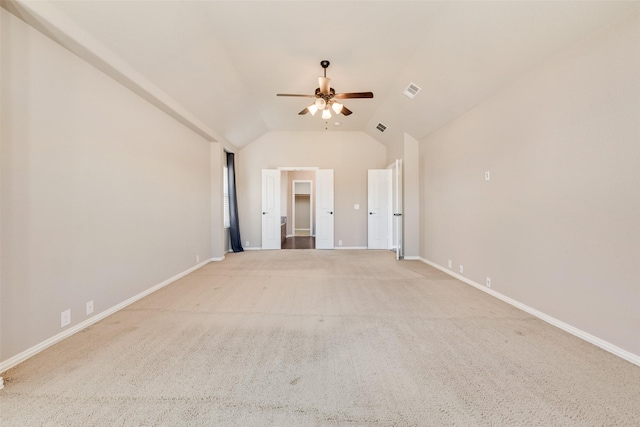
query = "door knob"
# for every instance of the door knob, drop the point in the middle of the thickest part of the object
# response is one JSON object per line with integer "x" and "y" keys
{"x": 264, "y": 213}
{"x": 371, "y": 213}
{"x": 331, "y": 213}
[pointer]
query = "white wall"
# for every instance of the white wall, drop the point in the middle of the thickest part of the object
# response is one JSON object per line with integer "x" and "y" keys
{"x": 558, "y": 225}
{"x": 350, "y": 154}
{"x": 103, "y": 195}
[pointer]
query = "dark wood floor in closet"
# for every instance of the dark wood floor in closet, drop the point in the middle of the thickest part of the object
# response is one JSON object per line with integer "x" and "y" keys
{"x": 299, "y": 242}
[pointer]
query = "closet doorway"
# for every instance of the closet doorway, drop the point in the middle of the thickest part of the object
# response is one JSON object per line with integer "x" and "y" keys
{"x": 279, "y": 226}
{"x": 302, "y": 208}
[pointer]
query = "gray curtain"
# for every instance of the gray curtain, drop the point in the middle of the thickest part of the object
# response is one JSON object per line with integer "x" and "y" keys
{"x": 234, "y": 224}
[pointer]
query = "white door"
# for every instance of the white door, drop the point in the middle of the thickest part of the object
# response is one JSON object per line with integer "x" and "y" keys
{"x": 379, "y": 209}
{"x": 324, "y": 209}
{"x": 396, "y": 190}
{"x": 271, "y": 209}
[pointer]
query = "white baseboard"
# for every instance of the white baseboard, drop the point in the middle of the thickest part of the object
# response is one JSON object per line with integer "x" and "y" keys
{"x": 21, "y": 357}
{"x": 605, "y": 345}
{"x": 350, "y": 247}
{"x": 412, "y": 258}
{"x": 252, "y": 249}
{"x": 218, "y": 259}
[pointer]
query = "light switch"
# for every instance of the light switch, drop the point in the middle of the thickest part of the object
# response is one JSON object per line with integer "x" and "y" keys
{"x": 356, "y": 206}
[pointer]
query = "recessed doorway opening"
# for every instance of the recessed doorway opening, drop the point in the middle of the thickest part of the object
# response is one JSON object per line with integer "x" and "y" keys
{"x": 297, "y": 208}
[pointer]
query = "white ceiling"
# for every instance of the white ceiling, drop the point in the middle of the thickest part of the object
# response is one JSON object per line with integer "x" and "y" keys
{"x": 224, "y": 61}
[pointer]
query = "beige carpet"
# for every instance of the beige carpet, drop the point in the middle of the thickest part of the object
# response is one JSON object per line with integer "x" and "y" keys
{"x": 321, "y": 338}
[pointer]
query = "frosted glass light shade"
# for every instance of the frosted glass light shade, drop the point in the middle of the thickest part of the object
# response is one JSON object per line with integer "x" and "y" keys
{"x": 326, "y": 114}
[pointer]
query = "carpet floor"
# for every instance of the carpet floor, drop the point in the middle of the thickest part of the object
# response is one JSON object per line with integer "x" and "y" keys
{"x": 321, "y": 338}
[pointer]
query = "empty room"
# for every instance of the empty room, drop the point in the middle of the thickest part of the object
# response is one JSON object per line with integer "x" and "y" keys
{"x": 319, "y": 213}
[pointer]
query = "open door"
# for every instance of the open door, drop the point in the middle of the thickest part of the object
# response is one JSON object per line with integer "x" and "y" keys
{"x": 396, "y": 190}
{"x": 378, "y": 208}
{"x": 271, "y": 209}
{"x": 324, "y": 209}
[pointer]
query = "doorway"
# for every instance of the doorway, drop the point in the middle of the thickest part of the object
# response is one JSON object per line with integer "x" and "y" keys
{"x": 302, "y": 207}
{"x": 301, "y": 199}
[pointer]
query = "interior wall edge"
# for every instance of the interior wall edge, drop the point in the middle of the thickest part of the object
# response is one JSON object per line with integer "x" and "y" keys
{"x": 45, "y": 19}
{"x": 592, "y": 339}
{"x": 5, "y": 365}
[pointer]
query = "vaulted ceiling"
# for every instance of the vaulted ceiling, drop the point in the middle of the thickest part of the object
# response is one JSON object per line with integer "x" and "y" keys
{"x": 222, "y": 62}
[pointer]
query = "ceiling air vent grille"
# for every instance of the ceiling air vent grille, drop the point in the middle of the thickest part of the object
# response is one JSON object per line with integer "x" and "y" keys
{"x": 381, "y": 127}
{"x": 412, "y": 90}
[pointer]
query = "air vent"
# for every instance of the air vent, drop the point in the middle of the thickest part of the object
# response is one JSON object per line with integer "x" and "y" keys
{"x": 381, "y": 127}
{"x": 412, "y": 90}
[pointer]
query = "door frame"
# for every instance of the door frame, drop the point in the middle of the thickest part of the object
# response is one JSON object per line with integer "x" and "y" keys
{"x": 396, "y": 232}
{"x": 293, "y": 206}
{"x": 316, "y": 169}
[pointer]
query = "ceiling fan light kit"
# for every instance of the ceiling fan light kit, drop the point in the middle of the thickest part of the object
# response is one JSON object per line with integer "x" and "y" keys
{"x": 326, "y": 97}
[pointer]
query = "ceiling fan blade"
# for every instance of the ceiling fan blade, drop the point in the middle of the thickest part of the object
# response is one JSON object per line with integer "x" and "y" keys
{"x": 345, "y": 111}
{"x": 324, "y": 83}
{"x": 305, "y": 111}
{"x": 294, "y": 94}
{"x": 353, "y": 95}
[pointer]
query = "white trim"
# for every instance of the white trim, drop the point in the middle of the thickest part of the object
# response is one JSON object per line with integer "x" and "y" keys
{"x": 605, "y": 345}
{"x": 218, "y": 259}
{"x": 352, "y": 247}
{"x": 293, "y": 168}
{"x": 21, "y": 357}
{"x": 253, "y": 248}
{"x": 412, "y": 258}
{"x": 293, "y": 204}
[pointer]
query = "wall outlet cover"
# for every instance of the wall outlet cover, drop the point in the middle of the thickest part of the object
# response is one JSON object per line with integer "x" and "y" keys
{"x": 65, "y": 318}
{"x": 89, "y": 307}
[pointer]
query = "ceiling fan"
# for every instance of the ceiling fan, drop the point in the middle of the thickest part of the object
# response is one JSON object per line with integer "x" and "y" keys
{"x": 326, "y": 97}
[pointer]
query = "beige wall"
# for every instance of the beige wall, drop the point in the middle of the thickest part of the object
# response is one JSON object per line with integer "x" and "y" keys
{"x": 411, "y": 197}
{"x": 558, "y": 225}
{"x": 103, "y": 195}
{"x": 349, "y": 154}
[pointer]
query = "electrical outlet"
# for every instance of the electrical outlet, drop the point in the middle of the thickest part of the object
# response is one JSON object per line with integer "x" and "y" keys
{"x": 65, "y": 318}
{"x": 450, "y": 264}
{"x": 461, "y": 269}
{"x": 89, "y": 307}
{"x": 488, "y": 282}
{"x": 339, "y": 242}
{"x": 487, "y": 175}
{"x": 246, "y": 243}
{"x": 197, "y": 259}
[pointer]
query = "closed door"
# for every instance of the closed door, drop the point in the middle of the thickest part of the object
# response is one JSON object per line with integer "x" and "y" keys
{"x": 271, "y": 209}
{"x": 324, "y": 209}
{"x": 378, "y": 205}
